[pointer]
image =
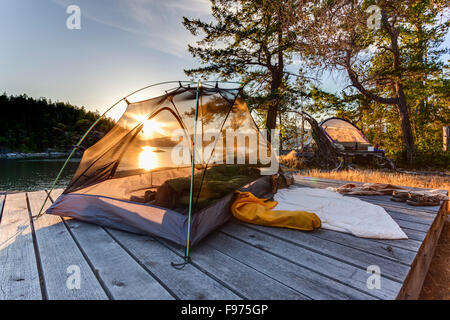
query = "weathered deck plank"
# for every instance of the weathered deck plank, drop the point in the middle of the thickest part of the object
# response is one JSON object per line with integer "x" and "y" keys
{"x": 358, "y": 258}
{"x": 55, "y": 194}
{"x": 409, "y": 244}
{"x": 242, "y": 279}
{"x": 413, "y": 213}
{"x": 187, "y": 283}
{"x": 19, "y": 277}
{"x": 305, "y": 280}
{"x": 121, "y": 274}
{"x": 413, "y": 234}
{"x": 384, "y": 200}
{"x": 332, "y": 268}
{"x": 410, "y": 225}
{"x": 394, "y": 213}
{"x": 123, "y": 277}
{"x": 367, "y": 245}
{"x": 240, "y": 261}
{"x": 59, "y": 254}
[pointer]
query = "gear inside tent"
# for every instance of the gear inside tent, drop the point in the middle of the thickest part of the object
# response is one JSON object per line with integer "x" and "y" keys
{"x": 144, "y": 177}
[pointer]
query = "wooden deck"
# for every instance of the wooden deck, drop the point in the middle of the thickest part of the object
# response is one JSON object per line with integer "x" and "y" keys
{"x": 39, "y": 257}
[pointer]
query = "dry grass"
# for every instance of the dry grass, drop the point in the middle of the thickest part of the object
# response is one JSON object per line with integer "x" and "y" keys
{"x": 400, "y": 179}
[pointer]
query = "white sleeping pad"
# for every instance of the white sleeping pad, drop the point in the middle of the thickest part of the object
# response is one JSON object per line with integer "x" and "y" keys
{"x": 340, "y": 213}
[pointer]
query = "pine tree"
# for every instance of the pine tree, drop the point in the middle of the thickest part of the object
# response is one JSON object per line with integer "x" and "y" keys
{"x": 247, "y": 41}
{"x": 396, "y": 63}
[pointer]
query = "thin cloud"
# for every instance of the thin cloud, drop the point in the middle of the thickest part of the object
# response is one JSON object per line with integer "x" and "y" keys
{"x": 155, "y": 24}
{"x": 162, "y": 20}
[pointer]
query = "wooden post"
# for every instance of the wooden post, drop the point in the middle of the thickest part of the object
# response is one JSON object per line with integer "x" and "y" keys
{"x": 446, "y": 138}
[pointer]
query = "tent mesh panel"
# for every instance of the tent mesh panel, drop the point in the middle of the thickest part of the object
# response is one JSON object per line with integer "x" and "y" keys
{"x": 147, "y": 156}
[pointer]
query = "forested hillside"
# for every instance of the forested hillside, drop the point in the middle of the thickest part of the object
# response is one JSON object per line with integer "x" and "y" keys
{"x": 31, "y": 125}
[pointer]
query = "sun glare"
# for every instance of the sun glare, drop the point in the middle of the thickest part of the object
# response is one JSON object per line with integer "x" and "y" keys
{"x": 151, "y": 127}
{"x": 147, "y": 159}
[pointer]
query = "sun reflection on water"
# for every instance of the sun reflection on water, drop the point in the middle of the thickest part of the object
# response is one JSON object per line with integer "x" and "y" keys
{"x": 148, "y": 159}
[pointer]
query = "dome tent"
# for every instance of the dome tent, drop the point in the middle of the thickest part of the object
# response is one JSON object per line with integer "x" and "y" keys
{"x": 170, "y": 164}
{"x": 345, "y": 133}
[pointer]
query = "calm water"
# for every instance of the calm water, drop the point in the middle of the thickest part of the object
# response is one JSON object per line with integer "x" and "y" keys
{"x": 32, "y": 175}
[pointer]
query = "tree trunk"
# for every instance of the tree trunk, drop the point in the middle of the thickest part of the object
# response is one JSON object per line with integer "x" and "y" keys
{"x": 325, "y": 155}
{"x": 277, "y": 78}
{"x": 271, "y": 120}
{"x": 407, "y": 134}
{"x": 400, "y": 100}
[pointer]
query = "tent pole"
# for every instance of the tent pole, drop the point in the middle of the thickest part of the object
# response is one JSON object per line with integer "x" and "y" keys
{"x": 98, "y": 120}
{"x": 186, "y": 258}
{"x": 88, "y": 131}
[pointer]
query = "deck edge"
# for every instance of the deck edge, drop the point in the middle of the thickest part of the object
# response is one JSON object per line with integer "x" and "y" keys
{"x": 412, "y": 286}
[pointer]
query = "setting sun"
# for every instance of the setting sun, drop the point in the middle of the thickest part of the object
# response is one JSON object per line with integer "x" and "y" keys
{"x": 151, "y": 127}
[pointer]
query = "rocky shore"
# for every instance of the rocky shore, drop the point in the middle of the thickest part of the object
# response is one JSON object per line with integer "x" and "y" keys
{"x": 33, "y": 155}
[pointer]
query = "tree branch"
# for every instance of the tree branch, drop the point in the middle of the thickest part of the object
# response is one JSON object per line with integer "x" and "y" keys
{"x": 358, "y": 85}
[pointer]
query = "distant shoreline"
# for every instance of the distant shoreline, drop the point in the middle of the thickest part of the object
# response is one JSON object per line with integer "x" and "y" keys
{"x": 34, "y": 155}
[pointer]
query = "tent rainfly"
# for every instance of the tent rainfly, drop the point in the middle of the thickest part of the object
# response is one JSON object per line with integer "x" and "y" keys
{"x": 144, "y": 177}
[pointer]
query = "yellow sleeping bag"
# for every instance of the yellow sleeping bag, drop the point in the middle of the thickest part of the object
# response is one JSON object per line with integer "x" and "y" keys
{"x": 251, "y": 209}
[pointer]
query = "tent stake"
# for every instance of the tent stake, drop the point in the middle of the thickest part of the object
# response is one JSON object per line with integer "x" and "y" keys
{"x": 186, "y": 258}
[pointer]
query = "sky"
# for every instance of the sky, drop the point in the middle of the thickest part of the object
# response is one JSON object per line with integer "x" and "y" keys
{"x": 122, "y": 45}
